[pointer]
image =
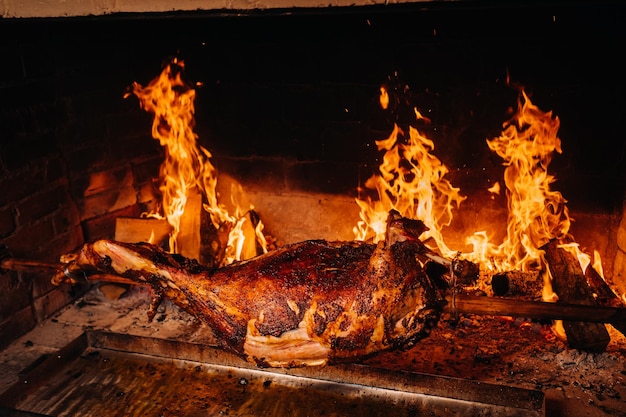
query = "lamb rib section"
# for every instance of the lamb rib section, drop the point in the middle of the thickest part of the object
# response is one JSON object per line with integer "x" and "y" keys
{"x": 309, "y": 303}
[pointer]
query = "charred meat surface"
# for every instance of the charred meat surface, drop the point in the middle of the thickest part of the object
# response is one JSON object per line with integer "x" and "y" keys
{"x": 309, "y": 303}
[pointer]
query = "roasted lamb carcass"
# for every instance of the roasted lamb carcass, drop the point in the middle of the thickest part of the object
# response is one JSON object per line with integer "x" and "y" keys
{"x": 308, "y": 303}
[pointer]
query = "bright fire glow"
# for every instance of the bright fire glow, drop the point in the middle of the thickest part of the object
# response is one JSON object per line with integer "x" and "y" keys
{"x": 186, "y": 169}
{"x": 537, "y": 214}
{"x": 412, "y": 181}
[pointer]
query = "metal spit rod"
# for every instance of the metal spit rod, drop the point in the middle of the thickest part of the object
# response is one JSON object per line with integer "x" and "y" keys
{"x": 456, "y": 303}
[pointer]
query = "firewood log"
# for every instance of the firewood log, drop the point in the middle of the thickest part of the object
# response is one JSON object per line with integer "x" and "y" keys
{"x": 570, "y": 284}
{"x": 604, "y": 294}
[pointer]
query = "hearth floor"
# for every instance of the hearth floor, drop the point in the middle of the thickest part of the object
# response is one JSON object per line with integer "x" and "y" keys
{"x": 490, "y": 349}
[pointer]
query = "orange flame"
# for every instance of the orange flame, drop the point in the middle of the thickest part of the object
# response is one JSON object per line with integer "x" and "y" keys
{"x": 536, "y": 214}
{"x": 411, "y": 181}
{"x": 187, "y": 169}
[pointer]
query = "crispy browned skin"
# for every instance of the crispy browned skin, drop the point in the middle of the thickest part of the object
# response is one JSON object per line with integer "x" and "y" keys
{"x": 309, "y": 303}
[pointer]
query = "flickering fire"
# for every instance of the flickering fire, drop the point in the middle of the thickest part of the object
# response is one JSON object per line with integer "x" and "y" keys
{"x": 412, "y": 180}
{"x": 536, "y": 214}
{"x": 186, "y": 170}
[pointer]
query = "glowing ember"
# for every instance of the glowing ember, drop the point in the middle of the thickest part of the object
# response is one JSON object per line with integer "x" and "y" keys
{"x": 187, "y": 169}
{"x": 495, "y": 188}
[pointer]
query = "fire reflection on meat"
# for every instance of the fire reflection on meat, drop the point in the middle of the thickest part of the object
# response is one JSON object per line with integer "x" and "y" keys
{"x": 308, "y": 303}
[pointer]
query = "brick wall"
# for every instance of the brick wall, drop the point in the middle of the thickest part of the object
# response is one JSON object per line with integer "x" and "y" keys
{"x": 288, "y": 103}
{"x": 73, "y": 156}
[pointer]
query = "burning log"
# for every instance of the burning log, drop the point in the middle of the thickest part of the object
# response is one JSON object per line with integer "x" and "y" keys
{"x": 604, "y": 294}
{"x": 513, "y": 283}
{"x": 189, "y": 239}
{"x": 570, "y": 284}
{"x": 155, "y": 231}
{"x": 231, "y": 241}
{"x": 250, "y": 247}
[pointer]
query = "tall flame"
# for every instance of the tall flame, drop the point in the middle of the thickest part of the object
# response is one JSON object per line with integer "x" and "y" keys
{"x": 186, "y": 169}
{"x": 412, "y": 181}
{"x": 536, "y": 214}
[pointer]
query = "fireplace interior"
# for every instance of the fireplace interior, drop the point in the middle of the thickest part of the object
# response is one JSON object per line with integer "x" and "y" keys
{"x": 288, "y": 103}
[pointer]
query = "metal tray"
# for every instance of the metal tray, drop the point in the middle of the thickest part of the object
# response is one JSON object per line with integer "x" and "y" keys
{"x": 112, "y": 374}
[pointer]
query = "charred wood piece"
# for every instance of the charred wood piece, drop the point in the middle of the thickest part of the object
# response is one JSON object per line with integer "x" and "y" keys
{"x": 465, "y": 271}
{"x": 604, "y": 294}
{"x": 518, "y": 284}
{"x": 570, "y": 284}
